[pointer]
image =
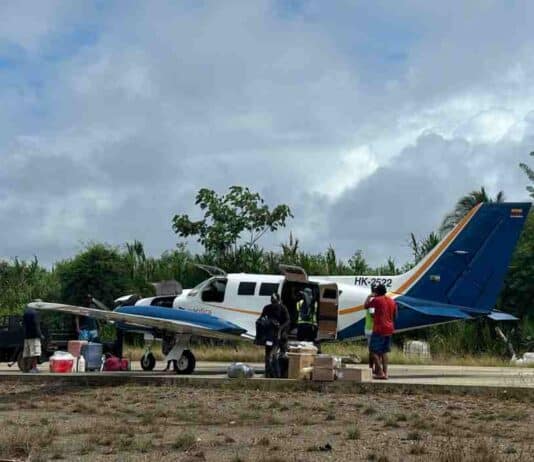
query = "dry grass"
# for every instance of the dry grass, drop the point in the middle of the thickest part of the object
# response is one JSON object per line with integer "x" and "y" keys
{"x": 247, "y": 352}
{"x": 25, "y": 439}
{"x": 155, "y": 423}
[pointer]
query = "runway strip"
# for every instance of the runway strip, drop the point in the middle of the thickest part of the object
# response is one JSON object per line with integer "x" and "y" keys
{"x": 503, "y": 382}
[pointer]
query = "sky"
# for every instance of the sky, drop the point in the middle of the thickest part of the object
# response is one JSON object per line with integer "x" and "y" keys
{"x": 369, "y": 119}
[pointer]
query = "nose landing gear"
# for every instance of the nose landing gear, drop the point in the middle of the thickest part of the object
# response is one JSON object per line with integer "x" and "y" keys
{"x": 148, "y": 361}
{"x": 183, "y": 359}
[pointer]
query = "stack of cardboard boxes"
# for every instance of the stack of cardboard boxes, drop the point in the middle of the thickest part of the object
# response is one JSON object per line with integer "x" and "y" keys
{"x": 305, "y": 363}
{"x": 324, "y": 368}
{"x": 301, "y": 357}
{"x": 328, "y": 368}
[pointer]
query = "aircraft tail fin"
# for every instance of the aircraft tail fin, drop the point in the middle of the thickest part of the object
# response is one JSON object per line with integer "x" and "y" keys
{"x": 467, "y": 268}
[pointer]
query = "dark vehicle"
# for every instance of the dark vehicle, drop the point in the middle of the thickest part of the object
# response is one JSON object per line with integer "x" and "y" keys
{"x": 57, "y": 331}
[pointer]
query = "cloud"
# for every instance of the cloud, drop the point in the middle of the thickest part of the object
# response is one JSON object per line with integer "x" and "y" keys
{"x": 413, "y": 192}
{"x": 115, "y": 116}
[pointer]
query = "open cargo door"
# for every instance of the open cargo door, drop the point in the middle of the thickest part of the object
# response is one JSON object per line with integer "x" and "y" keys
{"x": 328, "y": 311}
{"x": 294, "y": 273}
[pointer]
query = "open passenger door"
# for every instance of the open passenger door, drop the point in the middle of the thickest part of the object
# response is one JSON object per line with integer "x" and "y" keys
{"x": 328, "y": 311}
{"x": 294, "y": 273}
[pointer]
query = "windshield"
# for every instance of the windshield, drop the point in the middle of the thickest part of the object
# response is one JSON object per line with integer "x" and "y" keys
{"x": 215, "y": 281}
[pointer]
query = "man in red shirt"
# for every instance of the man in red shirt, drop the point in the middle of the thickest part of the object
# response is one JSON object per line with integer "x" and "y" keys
{"x": 384, "y": 311}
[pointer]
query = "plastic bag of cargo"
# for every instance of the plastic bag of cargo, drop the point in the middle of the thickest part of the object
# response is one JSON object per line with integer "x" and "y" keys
{"x": 302, "y": 347}
{"x": 240, "y": 371}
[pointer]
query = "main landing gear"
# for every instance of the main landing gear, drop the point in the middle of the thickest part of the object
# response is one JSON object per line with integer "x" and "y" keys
{"x": 183, "y": 357}
{"x": 186, "y": 364}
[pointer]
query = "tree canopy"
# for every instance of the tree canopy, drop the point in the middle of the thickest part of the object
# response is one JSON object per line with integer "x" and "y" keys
{"x": 464, "y": 205}
{"x": 530, "y": 173}
{"x": 230, "y": 216}
{"x": 99, "y": 270}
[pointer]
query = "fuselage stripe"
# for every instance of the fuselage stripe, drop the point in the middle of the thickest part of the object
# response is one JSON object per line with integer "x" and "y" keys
{"x": 236, "y": 310}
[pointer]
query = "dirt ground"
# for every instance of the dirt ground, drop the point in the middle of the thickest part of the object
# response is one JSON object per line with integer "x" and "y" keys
{"x": 143, "y": 423}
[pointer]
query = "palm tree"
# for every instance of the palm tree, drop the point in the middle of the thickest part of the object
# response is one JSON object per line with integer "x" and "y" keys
{"x": 424, "y": 246}
{"x": 464, "y": 205}
{"x": 530, "y": 173}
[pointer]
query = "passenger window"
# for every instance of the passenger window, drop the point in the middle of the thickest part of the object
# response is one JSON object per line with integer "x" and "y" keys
{"x": 246, "y": 288}
{"x": 268, "y": 288}
{"x": 214, "y": 291}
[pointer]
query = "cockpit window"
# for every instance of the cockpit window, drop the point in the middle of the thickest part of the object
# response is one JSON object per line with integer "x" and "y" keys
{"x": 194, "y": 291}
{"x": 164, "y": 301}
{"x": 214, "y": 290}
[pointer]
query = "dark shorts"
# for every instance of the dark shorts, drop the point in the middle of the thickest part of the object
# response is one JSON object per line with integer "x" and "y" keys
{"x": 380, "y": 344}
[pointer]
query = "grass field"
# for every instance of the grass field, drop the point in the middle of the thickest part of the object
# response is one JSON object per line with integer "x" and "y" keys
{"x": 136, "y": 423}
{"x": 247, "y": 352}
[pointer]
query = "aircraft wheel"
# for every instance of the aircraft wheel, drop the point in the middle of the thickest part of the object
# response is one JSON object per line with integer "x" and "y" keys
{"x": 148, "y": 362}
{"x": 186, "y": 364}
{"x": 24, "y": 363}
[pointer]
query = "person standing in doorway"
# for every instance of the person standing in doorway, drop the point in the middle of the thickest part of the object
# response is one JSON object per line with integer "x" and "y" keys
{"x": 32, "y": 338}
{"x": 385, "y": 312}
{"x": 307, "y": 316}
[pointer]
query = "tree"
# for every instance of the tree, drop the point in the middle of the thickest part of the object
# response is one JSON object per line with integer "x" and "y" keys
{"x": 518, "y": 291}
{"x": 530, "y": 173}
{"x": 424, "y": 246}
{"x": 22, "y": 282}
{"x": 464, "y": 205}
{"x": 389, "y": 269}
{"x": 290, "y": 249}
{"x": 228, "y": 217}
{"x": 358, "y": 265}
{"x": 99, "y": 270}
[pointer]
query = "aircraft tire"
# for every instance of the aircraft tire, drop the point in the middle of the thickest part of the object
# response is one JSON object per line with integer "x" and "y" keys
{"x": 186, "y": 364}
{"x": 148, "y": 362}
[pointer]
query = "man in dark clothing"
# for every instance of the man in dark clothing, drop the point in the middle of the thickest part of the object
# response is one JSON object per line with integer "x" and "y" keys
{"x": 277, "y": 313}
{"x": 32, "y": 338}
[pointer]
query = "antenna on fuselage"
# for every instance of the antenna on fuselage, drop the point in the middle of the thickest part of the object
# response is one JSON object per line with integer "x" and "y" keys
{"x": 211, "y": 270}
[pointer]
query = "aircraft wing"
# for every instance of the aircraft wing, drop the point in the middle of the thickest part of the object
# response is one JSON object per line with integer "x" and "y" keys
{"x": 165, "y": 319}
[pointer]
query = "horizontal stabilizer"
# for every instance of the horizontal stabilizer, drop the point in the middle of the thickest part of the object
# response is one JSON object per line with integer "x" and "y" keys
{"x": 501, "y": 316}
{"x": 431, "y": 309}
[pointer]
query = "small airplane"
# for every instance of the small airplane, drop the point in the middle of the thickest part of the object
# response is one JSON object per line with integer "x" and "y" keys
{"x": 459, "y": 279}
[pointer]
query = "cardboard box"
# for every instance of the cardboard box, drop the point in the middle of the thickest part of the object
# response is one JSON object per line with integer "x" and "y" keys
{"x": 324, "y": 361}
{"x": 353, "y": 374}
{"x": 323, "y": 374}
{"x": 297, "y": 362}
